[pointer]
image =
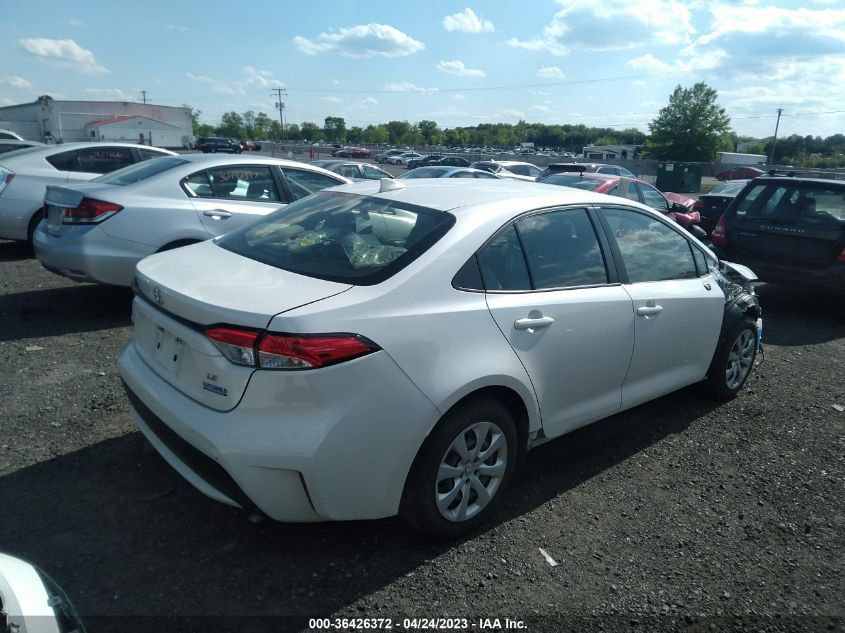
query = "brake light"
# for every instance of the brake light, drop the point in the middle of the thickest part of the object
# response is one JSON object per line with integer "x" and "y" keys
{"x": 90, "y": 211}
{"x": 287, "y": 351}
{"x": 841, "y": 258}
{"x": 719, "y": 237}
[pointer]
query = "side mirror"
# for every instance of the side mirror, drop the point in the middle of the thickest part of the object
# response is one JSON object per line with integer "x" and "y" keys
{"x": 677, "y": 207}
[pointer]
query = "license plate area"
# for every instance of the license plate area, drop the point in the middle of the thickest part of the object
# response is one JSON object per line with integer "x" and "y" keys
{"x": 54, "y": 219}
{"x": 168, "y": 350}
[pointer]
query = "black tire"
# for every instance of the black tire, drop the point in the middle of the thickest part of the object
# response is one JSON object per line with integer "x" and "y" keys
{"x": 733, "y": 353}
{"x": 34, "y": 221}
{"x": 419, "y": 505}
{"x": 176, "y": 244}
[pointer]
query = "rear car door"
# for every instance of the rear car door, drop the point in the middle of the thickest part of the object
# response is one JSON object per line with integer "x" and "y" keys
{"x": 558, "y": 303}
{"x": 229, "y": 197}
{"x": 788, "y": 223}
{"x": 677, "y": 308}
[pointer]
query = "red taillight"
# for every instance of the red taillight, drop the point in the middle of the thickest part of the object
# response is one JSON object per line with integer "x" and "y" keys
{"x": 841, "y": 258}
{"x": 90, "y": 211}
{"x": 287, "y": 351}
{"x": 718, "y": 236}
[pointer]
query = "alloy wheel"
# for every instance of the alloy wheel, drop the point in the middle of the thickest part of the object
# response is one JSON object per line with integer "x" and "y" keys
{"x": 740, "y": 359}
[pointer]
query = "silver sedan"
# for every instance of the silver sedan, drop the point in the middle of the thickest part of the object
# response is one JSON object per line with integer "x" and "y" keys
{"x": 98, "y": 231}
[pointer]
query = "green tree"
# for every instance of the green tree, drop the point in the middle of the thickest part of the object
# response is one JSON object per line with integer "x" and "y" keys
{"x": 310, "y": 132}
{"x": 691, "y": 127}
{"x": 249, "y": 123}
{"x": 335, "y": 129}
{"x": 275, "y": 130}
{"x": 355, "y": 134}
{"x": 293, "y": 132}
{"x": 376, "y": 134}
{"x": 262, "y": 125}
{"x": 430, "y": 132}
{"x": 397, "y": 131}
{"x": 232, "y": 124}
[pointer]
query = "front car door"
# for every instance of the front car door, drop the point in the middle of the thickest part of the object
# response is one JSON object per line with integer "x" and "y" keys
{"x": 557, "y": 302}
{"x": 677, "y": 305}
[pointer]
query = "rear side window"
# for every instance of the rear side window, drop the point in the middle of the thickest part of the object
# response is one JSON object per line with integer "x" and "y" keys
{"x": 65, "y": 161}
{"x": 303, "y": 183}
{"x": 102, "y": 160}
{"x": 141, "y": 171}
{"x": 239, "y": 182}
{"x": 341, "y": 237}
{"x": 562, "y": 249}
{"x": 349, "y": 171}
{"x": 147, "y": 154}
{"x": 651, "y": 251}
{"x": 373, "y": 173}
{"x": 502, "y": 263}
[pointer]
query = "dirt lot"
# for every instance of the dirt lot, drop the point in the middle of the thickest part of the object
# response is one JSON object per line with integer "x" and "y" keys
{"x": 682, "y": 514}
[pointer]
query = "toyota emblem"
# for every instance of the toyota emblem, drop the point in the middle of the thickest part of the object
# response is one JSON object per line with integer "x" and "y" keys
{"x": 157, "y": 295}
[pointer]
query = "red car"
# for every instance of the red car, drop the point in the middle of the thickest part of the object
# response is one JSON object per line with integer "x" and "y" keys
{"x": 638, "y": 190}
{"x": 739, "y": 173}
{"x": 352, "y": 152}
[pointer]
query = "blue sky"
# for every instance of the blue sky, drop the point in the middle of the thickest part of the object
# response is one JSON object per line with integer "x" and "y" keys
{"x": 598, "y": 62}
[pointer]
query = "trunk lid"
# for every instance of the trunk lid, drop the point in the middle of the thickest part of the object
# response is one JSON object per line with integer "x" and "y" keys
{"x": 183, "y": 291}
{"x": 58, "y": 198}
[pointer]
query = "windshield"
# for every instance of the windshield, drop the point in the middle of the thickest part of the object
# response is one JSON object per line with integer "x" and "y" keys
{"x": 567, "y": 180}
{"x": 426, "y": 172}
{"x": 341, "y": 237}
{"x": 140, "y": 171}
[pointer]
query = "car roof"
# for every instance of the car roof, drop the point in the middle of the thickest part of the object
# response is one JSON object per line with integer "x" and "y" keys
{"x": 459, "y": 196}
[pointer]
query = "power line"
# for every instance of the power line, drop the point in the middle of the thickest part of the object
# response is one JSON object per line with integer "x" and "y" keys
{"x": 143, "y": 95}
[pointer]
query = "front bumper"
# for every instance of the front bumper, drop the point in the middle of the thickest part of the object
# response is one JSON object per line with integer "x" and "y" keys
{"x": 86, "y": 253}
{"x": 329, "y": 444}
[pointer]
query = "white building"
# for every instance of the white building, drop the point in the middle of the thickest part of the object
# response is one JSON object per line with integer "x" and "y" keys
{"x": 604, "y": 152}
{"x": 49, "y": 120}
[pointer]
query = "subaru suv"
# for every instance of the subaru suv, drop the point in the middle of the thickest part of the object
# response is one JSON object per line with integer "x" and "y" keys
{"x": 789, "y": 228}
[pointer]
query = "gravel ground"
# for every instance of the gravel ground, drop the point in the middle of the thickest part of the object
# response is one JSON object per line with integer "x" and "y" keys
{"x": 682, "y": 514}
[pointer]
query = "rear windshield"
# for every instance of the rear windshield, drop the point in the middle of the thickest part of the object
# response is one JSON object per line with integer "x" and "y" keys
{"x": 426, "y": 172}
{"x": 140, "y": 171}
{"x": 804, "y": 203}
{"x": 341, "y": 237}
{"x": 565, "y": 180}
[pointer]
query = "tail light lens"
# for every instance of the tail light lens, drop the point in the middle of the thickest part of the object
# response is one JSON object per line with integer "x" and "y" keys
{"x": 90, "y": 211}
{"x": 6, "y": 177}
{"x": 287, "y": 351}
{"x": 719, "y": 237}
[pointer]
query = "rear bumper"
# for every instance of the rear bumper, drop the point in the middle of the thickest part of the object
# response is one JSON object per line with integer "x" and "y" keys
{"x": 88, "y": 254}
{"x": 329, "y": 444}
{"x": 831, "y": 278}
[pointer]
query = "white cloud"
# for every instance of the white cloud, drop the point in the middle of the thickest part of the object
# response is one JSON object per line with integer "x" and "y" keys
{"x": 364, "y": 40}
{"x": 369, "y": 101}
{"x": 456, "y": 67}
{"x": 65, "y": 54}
{"x": 510, "y": 113}
{"x": 467, "y": 22}
{"x": 550, "y": 72}
{"x": 407, "y": 86}
{"x": 252, "y": 79}
{"x": 776, "y": 23}
{"x": 331, "y": 99}
{"x": 4, "y": 101}
{"x": 111, "y": 94}
{"x": 604, "y": 25}
{"x": 638, "y": 82}
{"x": 76, "y": 22}
{"x": 541, "y": 108}
{"x": 697, "y": 60}
{"x": 18, "y": 83}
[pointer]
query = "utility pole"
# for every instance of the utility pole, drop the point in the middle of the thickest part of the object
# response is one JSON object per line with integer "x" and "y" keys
{"x": 775, "y": 140}
{"x": 143, "y": 95}
{"x": 281, "y": 106}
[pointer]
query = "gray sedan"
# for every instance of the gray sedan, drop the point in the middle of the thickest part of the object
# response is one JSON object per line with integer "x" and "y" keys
{"x": 352, "y": 169}
{"x": 98, "y": 231}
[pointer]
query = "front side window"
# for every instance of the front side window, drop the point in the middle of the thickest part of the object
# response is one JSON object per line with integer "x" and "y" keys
{"x": 341, "y": 237}
{"x": 302, "y": 182}
{"x": 653, "y": 198}
{"x": 102, "y": 160}
{"x": 562, "y": 249}
{"x": 651, "y": 250}
{"x": 238, "y": 182}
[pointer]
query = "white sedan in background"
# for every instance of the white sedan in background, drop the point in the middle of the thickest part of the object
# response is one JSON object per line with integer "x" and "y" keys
{"x": 98, "y": 231}
{"x": 25, "y": 174}
{"x": 396, "y": 347}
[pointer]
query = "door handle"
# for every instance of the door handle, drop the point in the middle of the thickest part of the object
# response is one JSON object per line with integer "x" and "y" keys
{"x": 217, "y": 214}
{"x": 531, "y": 324}
{"x": 649, "y": 310}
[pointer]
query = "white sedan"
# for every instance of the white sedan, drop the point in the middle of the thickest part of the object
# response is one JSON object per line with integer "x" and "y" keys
{"x": 25, "y": 174}
{"x": 98, "y": 231}
{"x": 396, "y": 347}
{"x": 402, "y": 159}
